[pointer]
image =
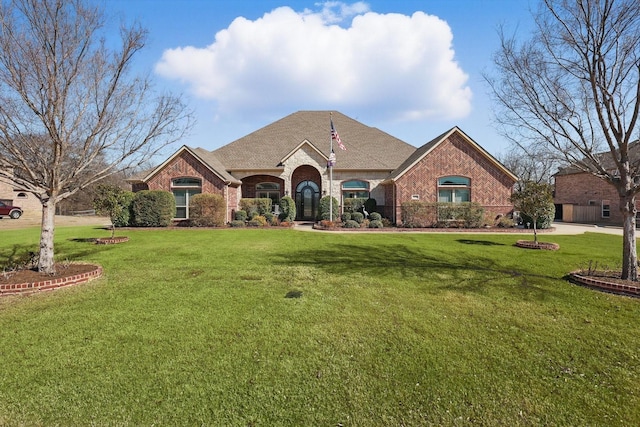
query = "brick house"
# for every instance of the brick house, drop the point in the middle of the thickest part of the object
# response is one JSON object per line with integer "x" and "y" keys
{"x": 290, "y": 156}
{"x": 582, "y": 197}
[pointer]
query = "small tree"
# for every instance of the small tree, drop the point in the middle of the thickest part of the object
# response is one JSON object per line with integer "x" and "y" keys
{"x": 114, "y": 202}
{"x": 535, "y": 200}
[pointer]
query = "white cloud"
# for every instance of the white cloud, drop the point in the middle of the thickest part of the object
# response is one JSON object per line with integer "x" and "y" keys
{"x": 390, "y": 65}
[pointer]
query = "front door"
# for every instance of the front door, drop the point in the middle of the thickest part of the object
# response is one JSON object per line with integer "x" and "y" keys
{"x": 307, "y": 198}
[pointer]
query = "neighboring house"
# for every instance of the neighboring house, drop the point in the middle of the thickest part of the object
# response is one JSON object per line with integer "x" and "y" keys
{"x": 582, "y": 197}
{"x": 289, "y": 158}
{"x": 13, "y": 195}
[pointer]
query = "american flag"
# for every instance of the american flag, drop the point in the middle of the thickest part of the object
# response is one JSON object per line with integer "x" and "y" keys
{"x": 336, "y": 137}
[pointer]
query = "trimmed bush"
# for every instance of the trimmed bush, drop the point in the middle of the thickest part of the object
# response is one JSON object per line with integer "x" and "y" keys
{"x": 287, "y": 209}
{"x": 371, "y": 205}
{"x": 236, "y": 223}
{"x": 421, "y": 214}
{"x": 257, "y": 221}
{"x": 375, "y": 216}
{"x": 353, "y": 204}
{"x": 207, "y": 210}
{"x": 115, "y": 202}
{"x": 346, "y": 216}
{"x": 261, "y": 206}
{"x": 153, "y": 208}
{"x": 351, "y": 224}
{"x": 240, "y": 215}
{"x": 357, "y": 217}
{"x": 376, "y": 223}
{"x": 323, "y": 208}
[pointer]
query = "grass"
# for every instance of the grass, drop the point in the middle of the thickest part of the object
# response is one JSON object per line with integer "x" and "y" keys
{"x": 285, "y": 328}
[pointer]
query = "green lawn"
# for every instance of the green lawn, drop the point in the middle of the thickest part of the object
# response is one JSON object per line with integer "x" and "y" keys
{"x": 285, "y": 328}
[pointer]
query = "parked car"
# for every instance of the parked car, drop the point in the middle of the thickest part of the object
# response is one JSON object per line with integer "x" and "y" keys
{"x": 14, "y": 212}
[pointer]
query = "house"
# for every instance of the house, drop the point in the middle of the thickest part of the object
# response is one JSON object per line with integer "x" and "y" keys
{"x": 13, "y": 195}
{"x": 290, "y": 158}
{"x": 582, "y": 197}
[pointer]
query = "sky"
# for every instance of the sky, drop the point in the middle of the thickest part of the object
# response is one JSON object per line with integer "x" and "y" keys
{"x": 413, "y": 69}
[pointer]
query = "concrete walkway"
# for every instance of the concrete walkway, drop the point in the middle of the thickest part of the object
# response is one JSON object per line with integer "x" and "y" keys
{"x": 559, "y": 228}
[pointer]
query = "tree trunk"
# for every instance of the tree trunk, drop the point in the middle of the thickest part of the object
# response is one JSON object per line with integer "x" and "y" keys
{"x": 46, "y": 262}
{"x": 629, "y": 255}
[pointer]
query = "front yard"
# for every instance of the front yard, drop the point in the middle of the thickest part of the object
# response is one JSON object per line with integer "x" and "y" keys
{"x": 269, "y": 327}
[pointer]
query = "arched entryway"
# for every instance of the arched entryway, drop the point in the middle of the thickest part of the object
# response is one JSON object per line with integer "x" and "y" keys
{"x": 307, "y": 199}
{"x": 305, "y": 186}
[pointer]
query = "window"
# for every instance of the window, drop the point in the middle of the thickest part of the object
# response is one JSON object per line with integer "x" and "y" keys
{"x": 355, "y": 190}
{"x": 22, "y": 195}
{"x": 606, "y": 209}
{"x": 268, "y": 190}
{"x": 183, "y": 189}
{"x": 454, "y": 189}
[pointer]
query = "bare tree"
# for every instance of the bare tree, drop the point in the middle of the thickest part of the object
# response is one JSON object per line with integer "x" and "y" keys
{"x": 573, "y": 88}
{"x": 71, "y": 112}
{"x": 536, "y": 167}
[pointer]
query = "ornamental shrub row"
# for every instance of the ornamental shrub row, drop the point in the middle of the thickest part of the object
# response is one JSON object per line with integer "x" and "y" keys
{"x": 416, "y": 214}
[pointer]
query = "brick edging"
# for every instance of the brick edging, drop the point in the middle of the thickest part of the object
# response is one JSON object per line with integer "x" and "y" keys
{"x": 46, "y": 285}
{"x": 603, "y": 284}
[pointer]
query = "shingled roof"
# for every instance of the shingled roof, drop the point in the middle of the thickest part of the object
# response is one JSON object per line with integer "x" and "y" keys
{"x": 421, "y": 152}
{"x": 367, "y": 148}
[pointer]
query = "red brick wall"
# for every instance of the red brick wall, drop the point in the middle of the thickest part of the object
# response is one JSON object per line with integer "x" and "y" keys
{"x": 580, "y": 188}
{"x": 305, "y": 173}
{"x": 490, "y": 186}
{"x": 249, "y": 184}
{"x": 185, "y": 165}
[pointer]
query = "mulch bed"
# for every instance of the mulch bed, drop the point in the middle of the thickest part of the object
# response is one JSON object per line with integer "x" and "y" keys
{"x": 530, "y": 244}
{"x": 608, "y": 281}
{"x": 66, "y": 274}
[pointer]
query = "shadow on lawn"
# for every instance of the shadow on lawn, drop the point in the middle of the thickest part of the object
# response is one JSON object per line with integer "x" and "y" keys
{"x": 463, "y": 271}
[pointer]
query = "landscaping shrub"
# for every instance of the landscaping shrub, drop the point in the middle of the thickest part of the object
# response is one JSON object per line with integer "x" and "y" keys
{"x": 236, "y": 223}
{"x": 240, "y": 215}
{"x": 323, "y": 208}
{"x": 421, "y": 214}
{"x": 357, "y": 217}
{"x": 375, "y": 216}
{"x": 207, "y": 210}
{"x": 353, "y": 204}
{"x": 346, "y": 216}
{"x": 371, "y": 205}
{"x": 153, "y": 208}
{"x": 287, "y": 209}
{"x": 351, "y": 224}
{"x": 505, "y": 222}
{"x": 416, "y": 214}
{"x": 257, "y": 221}
{"x": 269, "y": 217}
{"x": 259, "y": 205}
{"x": 376, "y": 223}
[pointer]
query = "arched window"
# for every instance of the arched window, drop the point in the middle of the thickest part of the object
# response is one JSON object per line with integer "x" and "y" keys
{"x": 454, "y": 189}
{"x": 22, "y": 195}
{"x": 355, "y": 189}
{"x": 270, "y": 190}
{"x": 183, "y": 189}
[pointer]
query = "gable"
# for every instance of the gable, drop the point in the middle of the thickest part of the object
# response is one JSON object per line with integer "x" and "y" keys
{"x": 454, "y": 138}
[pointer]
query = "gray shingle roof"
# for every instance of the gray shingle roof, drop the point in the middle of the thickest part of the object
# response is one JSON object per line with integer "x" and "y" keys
{"x": 367, "y": 147}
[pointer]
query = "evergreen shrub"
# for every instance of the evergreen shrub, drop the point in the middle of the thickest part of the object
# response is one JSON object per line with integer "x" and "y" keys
{"x": 153, "y": 208}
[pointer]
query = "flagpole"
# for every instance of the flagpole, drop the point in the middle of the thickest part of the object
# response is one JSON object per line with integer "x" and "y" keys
{"x": 330, "y": 170}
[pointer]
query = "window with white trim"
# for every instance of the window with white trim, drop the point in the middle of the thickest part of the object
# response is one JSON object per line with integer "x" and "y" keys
{"x": 269, "y": 190}
{"x": 183, "y": 190}
{"x": 355, "y": 189}
{"x": 454, "y": 189}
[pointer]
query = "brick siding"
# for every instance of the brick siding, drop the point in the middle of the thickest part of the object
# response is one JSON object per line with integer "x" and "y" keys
{"x": 490, "y": 186}
{"x": 582, "y": 188}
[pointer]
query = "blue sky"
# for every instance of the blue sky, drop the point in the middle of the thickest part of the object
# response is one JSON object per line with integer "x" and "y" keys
{"x": 410, "y": 68}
